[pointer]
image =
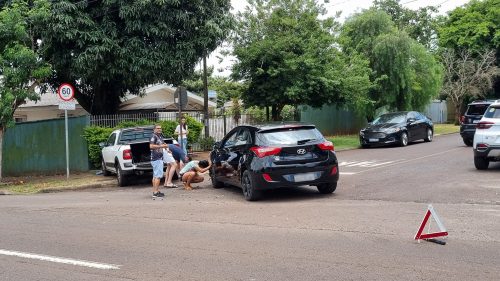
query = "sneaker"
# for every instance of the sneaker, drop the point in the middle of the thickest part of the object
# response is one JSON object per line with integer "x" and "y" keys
{"x": 160, "y": 194}
{"x": 155, "y": 195}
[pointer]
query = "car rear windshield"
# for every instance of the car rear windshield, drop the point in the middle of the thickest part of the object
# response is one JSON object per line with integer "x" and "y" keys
{"x": 476, "y": 109}
{"x": 289, "y": 136}
{"x": 492, "y": 112}
{"x": 135, "y": 135}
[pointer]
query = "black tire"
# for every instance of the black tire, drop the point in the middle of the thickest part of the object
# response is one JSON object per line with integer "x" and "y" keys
{"x": 481, "y": 163}
{"x": 215, "y": 182}
{"x": 403, "y": 140}
{"x": 468, "y": 142}
{"x": 103, "y": 169}
{"x": 120, "y": 177}
{"x": 249, "y": 191}
{"x": 429, "y": 136}
{"x": 327, "y": 188}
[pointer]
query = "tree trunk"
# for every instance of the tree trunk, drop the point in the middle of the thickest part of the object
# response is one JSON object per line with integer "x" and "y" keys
{"x": 104, "y": 99}
{"x": 1, "y": 149}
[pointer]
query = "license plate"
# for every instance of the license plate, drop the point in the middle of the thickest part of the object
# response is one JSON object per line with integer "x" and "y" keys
{"x": 372, "y": 140}
{"x": 475, "y": 121}
{"x": 304, "y": 177}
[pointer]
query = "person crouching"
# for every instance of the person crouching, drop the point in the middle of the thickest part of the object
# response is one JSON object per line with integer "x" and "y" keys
{"x": 190, "y": 173}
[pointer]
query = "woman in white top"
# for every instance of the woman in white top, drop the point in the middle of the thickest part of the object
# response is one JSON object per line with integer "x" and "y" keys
{"x": 182, "y": 138}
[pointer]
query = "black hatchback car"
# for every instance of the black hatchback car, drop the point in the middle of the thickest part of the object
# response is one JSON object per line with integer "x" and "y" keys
{"x": 471, "y": 117}
{"x": 397, "y": 128}
{"x": 264, "y": 157}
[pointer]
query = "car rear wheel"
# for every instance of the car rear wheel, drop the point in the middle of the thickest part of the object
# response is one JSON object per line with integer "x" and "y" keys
{"x": 103, "y": 168}
{"x": 429, "y": 136}
{"x": 327, "y": 188}
{"x": 120, "y": 177}
{"x": 215, "y": 183}
{"x": 403, "y": 140}
{"x": 481, "y": 163}
{"x": 249, "y": 191}
{"x": 468, "y": 142}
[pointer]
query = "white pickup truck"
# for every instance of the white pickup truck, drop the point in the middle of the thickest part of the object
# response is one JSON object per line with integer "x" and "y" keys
{"x": 126, "y": 152}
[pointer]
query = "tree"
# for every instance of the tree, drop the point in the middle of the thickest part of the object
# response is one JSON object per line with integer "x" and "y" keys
{"x": 465, "y": 75}
{"x": 475, "y": 27}
{"x": 21, "y": 68}
{"x": 111, "y": 48}
{"x": 420, "y": 24}
{"x": 405, "y": 75}
{"x": 286, "y": 54}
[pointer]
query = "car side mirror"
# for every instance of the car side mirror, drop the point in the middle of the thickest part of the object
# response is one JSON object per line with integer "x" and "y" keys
{"x": 102, "y": 144}
{"x": 411, "y": 120}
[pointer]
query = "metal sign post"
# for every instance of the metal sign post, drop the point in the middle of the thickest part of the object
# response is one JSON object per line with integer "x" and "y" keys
{"x": 66, "y": 93}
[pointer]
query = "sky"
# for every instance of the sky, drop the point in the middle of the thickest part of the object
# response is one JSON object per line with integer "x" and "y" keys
{"x": 348, "y": 7}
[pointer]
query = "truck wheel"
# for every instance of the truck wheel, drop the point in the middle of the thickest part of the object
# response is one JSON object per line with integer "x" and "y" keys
{"x": 103, "y": 168}
{"x": 468, "y": 142}
{"x": 249, "y": 191}
{"x": 120, "y": 177}
{"x": 481, "y": 163}
{"x": 327, "y": 188}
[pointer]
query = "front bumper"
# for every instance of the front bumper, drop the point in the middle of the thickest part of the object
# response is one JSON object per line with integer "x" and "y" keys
{"x": 379, "y": 138}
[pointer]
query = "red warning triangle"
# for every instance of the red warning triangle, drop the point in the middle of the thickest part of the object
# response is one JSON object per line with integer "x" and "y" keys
{"x": 442, "y": 230}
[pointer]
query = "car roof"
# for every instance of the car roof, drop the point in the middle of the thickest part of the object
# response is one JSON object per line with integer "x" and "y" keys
{"x": 487, "y": 102}
{"x": 278, "y": 125}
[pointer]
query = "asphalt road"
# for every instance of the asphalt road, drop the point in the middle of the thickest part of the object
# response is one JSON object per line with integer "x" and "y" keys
{"x": 364, "y": 231}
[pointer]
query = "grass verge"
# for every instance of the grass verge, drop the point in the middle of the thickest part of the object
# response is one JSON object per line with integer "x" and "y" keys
{"x": 39, "y": 184}
{"x": 442, "y": 129}
{"x": 343, "y": 142}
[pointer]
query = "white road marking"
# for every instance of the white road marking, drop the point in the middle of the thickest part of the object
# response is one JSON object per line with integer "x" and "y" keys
{"x": 414, "y": 159}
{"x": 59, "y": 260}
{"x": 365, "y": 164}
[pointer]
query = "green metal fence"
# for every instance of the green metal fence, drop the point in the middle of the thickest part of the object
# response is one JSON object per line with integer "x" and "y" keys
{"x": 39, "y": 147}
{"x": 332, "y": 121}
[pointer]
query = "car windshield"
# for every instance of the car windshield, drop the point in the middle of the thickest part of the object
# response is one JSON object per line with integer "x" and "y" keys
{"x": 390, "y": 118}
{"x": 492, "y": 112}
{"x": 135, "y": 135}
{"x": 289, "y": 136}
{"x": 476, "y": 109}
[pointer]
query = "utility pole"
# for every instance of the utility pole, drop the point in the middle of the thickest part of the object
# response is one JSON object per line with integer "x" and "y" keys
{"x": 205, "y": 94}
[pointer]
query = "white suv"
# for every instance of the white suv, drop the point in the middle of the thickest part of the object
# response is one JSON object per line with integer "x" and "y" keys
{"x": 487, "y": 138}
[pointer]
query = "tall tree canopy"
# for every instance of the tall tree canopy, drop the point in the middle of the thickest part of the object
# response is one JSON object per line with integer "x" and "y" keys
{"x": 288, "y": 55}
{"x": 420, "y": 24}
{"x": 406, "y": 76}
{"x": 113, "y": 47}
{"x": 21, "y": 68}
{"x": 474, "y": 28}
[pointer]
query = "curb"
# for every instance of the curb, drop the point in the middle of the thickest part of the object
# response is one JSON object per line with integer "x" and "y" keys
{"x": 75, "y": 188}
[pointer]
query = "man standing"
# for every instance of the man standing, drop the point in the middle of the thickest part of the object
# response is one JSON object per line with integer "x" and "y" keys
{"x": 156, "y": 144}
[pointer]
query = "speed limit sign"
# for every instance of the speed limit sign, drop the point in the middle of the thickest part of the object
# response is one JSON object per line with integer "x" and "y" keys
{"x": 66, "y": 92}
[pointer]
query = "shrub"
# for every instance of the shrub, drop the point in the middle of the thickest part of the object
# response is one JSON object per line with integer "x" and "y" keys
{"x": 95, "y": 135}
{"x": 206, "y": 144}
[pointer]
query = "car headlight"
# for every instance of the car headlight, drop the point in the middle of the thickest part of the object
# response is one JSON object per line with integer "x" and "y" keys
{"x": 362, "y": 132}
{"x": 393, "y": 130}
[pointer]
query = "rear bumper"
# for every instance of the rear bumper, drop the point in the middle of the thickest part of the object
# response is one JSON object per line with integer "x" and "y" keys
{"x": 492, "y": 152}
{"x": 467, "y": 131}
{"x": 286, "y": 177}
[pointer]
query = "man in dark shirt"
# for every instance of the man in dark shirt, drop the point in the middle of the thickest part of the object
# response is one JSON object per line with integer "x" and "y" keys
{"x": 156, "y": 144}
{"x": 180, "y": 158}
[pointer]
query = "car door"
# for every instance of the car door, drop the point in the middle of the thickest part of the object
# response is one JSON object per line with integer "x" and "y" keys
{"x": 223, "y": 155}
{"x": 412, "y": 126}
{"x": 109, "y": 151}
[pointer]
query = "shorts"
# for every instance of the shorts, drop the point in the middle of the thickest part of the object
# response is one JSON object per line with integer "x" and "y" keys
{"x": 167, "y": 157}
{"x": 157, "y": 168}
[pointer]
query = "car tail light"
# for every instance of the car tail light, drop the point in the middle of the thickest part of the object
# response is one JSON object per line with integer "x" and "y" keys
{"x": 327, "y": 145}
{"x": 482, "y": 145}
{"x": 484, "y": 125}
{"x": 263, "y": 151}
{"x": 334, "y": 171}
{"x": 462, "y": 119}
{"x": 127, "y": 154}
{"x": 267, "y": 177}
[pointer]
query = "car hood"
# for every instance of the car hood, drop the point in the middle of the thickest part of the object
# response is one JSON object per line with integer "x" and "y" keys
{"x": 382, "y": 127}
